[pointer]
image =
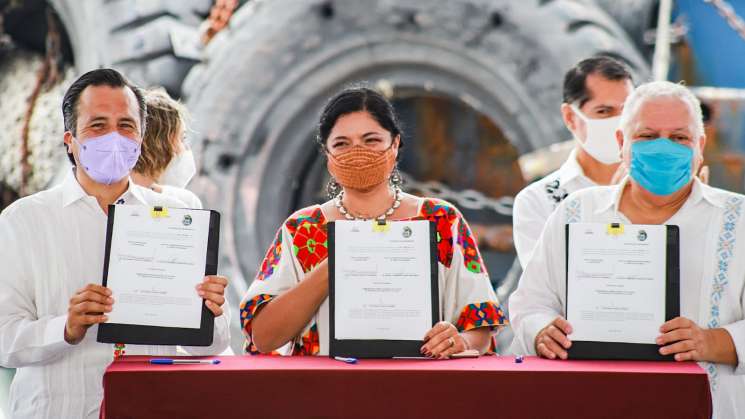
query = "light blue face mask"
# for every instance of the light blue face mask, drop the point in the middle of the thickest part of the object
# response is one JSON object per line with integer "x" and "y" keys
{"x": 661, "y": 166}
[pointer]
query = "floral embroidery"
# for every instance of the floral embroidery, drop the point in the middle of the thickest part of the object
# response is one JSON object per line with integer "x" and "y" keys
{"x": 480, "y": 315}
{"x": 309, "y": 237}
{"x": 309, "y": 344}
{"x": 443, "y": 215}
{"x": 471, "y": 255}
{"x": 487, "y": 314}
{"x": 248, "y": 310}
{"x": 573, "y": 211}
{"x": 555, "y": 192}
{"x": 119, "y": 350}
{"x": 725, "y": 248}
{"x": 271, "y": 260}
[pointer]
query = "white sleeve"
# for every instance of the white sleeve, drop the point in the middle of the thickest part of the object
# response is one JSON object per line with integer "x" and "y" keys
{"x": 528, "y": 218}
{"x": 539, "y": 295}
{"x": 195, "y": 203}
{"x": 221, "y": 339}
{"x": 736, "y": 331}
{"x": 25, "y": 339}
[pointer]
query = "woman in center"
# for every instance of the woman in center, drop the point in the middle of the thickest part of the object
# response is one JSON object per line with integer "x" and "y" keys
{"x": 285, "y": 310}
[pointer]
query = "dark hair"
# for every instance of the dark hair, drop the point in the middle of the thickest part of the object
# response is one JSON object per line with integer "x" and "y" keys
{"x": 575, "y": 88}
{"x": 99, "y": 77}
{"x": 356, "y": 99}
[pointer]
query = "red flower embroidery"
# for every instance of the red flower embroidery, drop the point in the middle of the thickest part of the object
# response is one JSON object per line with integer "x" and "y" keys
{"x": 271, "y": 260}
{"x": 309, "y": 237}
{"x": 443, "y": 215}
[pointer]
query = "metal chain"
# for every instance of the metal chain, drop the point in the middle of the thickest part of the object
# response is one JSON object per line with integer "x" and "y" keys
{"x": 728, "y": 13}
{"x": 466, "y": 199}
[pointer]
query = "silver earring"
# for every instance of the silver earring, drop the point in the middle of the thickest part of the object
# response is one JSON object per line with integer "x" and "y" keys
{"x": 333, "y": 189}
{"x": 396, "y": 179}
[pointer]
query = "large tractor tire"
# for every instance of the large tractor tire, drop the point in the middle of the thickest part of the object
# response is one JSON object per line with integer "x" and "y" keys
{"x": 132, "y": 36}
{"x": 257, "y": 95}
{"x": 638, "y": 18}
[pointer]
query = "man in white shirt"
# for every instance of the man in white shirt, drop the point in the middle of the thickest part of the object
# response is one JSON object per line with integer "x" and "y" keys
{"x": 594, "y": 92}
{"x": 52, "y": 258}
{"x": 662, "y": 139}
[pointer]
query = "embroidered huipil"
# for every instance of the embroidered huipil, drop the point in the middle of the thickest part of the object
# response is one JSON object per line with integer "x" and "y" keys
{"x": 712, "y": 275}
{"x": 467, "y": 299}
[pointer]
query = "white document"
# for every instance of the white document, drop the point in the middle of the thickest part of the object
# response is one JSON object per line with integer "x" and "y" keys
{"x": 383, "y": 281}
{"x": 616, "y": 282}
{"x": 155, "y": 264}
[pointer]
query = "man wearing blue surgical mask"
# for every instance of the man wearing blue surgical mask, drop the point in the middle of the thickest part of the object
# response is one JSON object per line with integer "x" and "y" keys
{"x": 662, "y": 140}
{"x": 52, "y": 256}
{"x": 594, "y": 92}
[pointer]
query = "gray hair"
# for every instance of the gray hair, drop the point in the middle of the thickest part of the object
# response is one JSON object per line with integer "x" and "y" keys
{"x": 657, "y": 90}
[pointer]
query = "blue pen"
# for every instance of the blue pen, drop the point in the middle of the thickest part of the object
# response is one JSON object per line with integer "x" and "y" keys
{"x": 345, "y": 359}
{"x": 170, "y": 361}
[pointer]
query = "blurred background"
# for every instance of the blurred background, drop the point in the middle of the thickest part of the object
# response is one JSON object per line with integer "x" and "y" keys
{"x": 477, "y": 84}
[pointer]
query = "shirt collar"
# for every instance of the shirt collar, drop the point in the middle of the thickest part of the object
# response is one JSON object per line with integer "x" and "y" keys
{"x": 135, "y": 191}
{"x": 699, "y": 191}
{"x": 71, "y": 189}
{"x": 571, "y": 169}
{"x": 73, "y": 192}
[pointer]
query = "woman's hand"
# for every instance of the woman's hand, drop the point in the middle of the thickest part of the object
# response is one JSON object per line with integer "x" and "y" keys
{"x": 442, "y": 341}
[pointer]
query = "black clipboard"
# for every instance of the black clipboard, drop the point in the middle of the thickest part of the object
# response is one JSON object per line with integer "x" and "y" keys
{"x": 374, "y": 348}
{"x": 154, "y": 335}
{"x": 634, "y": 351}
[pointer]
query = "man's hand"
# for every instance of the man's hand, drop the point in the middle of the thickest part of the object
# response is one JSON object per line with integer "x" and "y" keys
{"x": 552, "y": 341}
{"x": 212, "y": 289}
{"x": 689, "y": 342}
{"x": 87, "y": 307}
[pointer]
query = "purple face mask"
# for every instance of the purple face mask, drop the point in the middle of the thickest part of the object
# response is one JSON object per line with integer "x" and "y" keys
{"x": 109, "y": 157}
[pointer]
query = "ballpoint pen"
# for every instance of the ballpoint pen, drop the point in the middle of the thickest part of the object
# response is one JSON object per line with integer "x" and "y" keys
{"x": 171, "y": 361}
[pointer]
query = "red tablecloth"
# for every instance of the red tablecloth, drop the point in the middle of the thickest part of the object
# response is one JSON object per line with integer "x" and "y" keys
{"x": 303, "y": 387}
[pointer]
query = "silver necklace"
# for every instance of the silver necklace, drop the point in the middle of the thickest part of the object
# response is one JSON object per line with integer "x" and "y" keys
{"x": 338, "y": 202}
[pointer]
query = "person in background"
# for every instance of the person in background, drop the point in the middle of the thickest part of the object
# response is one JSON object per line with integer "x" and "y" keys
{"x": 52, "y": 248}
{"x": 594, "y": 92}
{"x": 166, "y": 164}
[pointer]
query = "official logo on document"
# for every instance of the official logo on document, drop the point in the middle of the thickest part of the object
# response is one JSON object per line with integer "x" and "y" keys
{"x": 187, "y": 220}
{"x": 642, "y": 235}
{"x": 407, "y": 232}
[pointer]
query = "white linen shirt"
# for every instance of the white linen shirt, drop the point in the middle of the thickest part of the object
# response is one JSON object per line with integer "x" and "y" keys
{"x": 712, "y": 275}
{"x": 52, "y": 244}
{"x": 538, "y": 200}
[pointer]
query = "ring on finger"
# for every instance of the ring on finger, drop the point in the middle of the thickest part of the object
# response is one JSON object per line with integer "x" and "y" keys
{"x": 452, "y": 341}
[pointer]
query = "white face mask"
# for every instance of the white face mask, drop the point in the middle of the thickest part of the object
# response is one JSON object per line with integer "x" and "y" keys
{"x": 180, "y": 170}
{"x": 601, "y": 141}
